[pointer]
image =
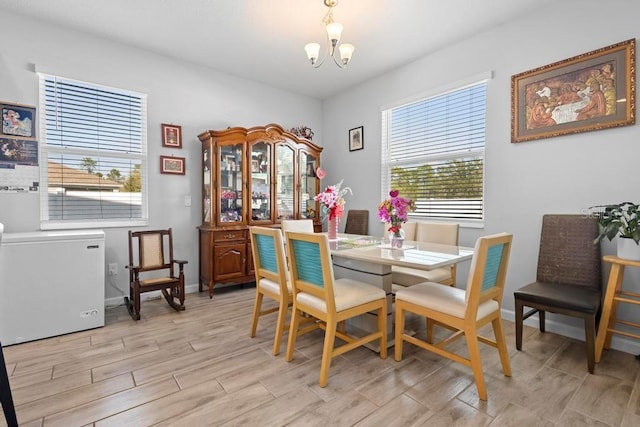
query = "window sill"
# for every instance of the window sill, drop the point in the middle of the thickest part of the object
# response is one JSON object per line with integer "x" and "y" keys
{"x": 70, "y": 225}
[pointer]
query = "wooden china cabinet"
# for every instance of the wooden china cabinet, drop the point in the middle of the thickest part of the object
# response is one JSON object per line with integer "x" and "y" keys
{"x": 256, "y": 176}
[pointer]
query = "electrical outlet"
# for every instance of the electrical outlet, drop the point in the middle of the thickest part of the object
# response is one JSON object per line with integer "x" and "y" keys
{"x": 113, "y": 269}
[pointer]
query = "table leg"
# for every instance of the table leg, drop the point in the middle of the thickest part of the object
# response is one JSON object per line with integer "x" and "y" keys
{"x": 609, "y": 307}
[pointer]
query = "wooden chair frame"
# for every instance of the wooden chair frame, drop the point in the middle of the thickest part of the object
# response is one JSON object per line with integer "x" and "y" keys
{"x": 171, "y": 286}
{"x": 469, "y": 324}
{"x": 331, "y": 320}
{"x": 270, "y": 264}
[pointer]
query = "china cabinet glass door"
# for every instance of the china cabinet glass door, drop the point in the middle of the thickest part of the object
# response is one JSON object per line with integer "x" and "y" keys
{"x": 308, "y": 186}
{"x": 284, "y": 182}
{"x": 230, "y": 196}
{"x": 206, "y": 189}
{"x": 260, "y": 182}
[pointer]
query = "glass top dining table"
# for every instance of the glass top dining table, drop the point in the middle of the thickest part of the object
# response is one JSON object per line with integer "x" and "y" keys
{"x": 413, "y": 254}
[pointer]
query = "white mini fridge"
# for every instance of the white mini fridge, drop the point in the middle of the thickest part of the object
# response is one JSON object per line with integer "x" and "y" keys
{"x": 51, "y": 283}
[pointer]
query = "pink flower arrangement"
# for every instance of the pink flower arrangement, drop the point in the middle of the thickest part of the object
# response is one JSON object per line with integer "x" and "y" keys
{"x": 395, "y": 211}
{"x": 332, "y": 198}
{"x": 228, "y": 194}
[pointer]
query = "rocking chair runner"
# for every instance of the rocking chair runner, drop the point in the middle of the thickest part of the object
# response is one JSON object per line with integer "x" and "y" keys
{"x": 152, "y": 251}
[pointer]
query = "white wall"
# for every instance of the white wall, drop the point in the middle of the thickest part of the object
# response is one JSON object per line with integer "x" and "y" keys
{"x": 523, "y": 181}
{"x": 194, "y": 97}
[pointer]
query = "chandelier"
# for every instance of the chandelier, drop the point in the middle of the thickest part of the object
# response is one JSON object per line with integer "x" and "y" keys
{"x": 334, "y": 31}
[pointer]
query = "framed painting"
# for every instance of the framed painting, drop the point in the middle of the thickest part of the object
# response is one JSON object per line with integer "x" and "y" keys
{"x": 592, "y": 91}
{"x": 18, "y": 121}
{"x": 356, "y": 138}
{"x": 171, "y": 136}
{"x": 18, "y": 152}
{"x": 172, "y": 165}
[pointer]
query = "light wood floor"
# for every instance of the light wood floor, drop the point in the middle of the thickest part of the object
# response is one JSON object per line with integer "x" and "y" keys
{"x": 200, "y": 367}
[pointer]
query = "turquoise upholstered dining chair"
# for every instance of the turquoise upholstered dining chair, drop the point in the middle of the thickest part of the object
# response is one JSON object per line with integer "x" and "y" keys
{"x": 271, "y": 279}
{"x": 463, "y": 311}
{"x": 318, "y": 294}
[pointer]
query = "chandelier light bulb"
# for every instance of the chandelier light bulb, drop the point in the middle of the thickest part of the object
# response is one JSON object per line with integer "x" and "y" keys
{"x": 346, "y": 50}
{"x": 334, "y": 31}
{"x": 313, "y": 50}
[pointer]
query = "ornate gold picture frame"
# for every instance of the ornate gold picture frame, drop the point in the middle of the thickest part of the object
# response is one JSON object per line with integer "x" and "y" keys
{"x": 592, "y": 91}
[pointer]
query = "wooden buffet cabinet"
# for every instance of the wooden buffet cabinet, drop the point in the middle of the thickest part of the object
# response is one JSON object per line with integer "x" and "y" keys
{"x": 255, "y": 176}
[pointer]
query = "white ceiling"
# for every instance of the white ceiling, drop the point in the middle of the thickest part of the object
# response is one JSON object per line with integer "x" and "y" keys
{"x": 263, "y": 40}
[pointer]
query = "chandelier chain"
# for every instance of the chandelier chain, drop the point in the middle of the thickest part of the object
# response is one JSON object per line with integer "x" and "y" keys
{"x": 328, "y": 18}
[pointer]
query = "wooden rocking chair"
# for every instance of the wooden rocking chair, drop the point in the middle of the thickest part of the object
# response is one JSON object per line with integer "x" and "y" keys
{"x": 152, "y": 251}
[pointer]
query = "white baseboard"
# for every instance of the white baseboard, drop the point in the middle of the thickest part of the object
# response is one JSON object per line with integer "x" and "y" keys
{"x": 628, "y": 345}
{"x": 116, "y": 301}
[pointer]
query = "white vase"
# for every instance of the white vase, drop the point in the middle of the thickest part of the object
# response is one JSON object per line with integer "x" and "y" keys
{"x": 628, "y": 249}
{"x": 396, "y": 240}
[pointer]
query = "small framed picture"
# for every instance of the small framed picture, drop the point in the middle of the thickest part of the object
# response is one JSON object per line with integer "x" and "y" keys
{"x": 172, "y": 165}
{"x": 171, "y": 136}
{"x": 356, "y": 138}
{"x": 18, "y": 121}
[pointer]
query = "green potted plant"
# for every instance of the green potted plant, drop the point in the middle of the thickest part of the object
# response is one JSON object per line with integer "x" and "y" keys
{"x": 620, "y": 220}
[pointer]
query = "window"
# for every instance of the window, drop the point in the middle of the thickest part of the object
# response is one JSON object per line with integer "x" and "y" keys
{"x": 93, "y": 155}
{"x": 433, "y": 153}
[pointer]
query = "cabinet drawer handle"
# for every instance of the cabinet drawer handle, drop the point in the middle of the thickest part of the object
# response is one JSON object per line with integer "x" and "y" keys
{"x": 229, "y": 236}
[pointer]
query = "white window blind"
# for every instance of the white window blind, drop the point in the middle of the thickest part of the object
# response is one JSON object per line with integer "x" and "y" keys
{"x": 93, "y": 155}
{"x": 433, "y": 153}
